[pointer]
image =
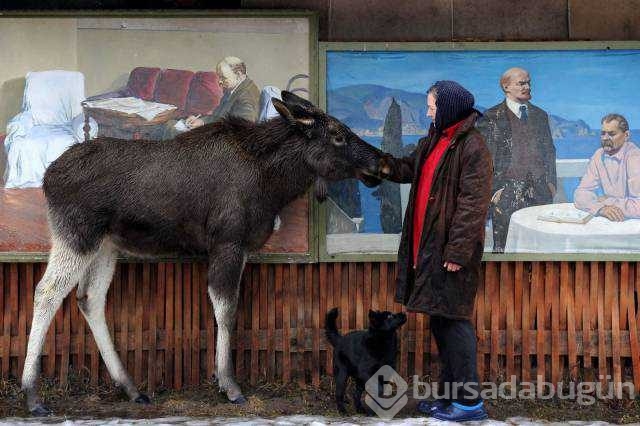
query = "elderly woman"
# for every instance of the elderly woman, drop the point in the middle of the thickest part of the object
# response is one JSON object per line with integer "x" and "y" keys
{"x": 442, "y": 241}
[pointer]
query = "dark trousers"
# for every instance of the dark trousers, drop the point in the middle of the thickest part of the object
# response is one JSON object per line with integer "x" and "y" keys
{"x": 456, "y": 340}
{"x": 516, "y": 195}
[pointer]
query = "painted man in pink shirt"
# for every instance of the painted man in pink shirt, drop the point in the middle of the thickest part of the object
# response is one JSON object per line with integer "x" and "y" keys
{"x": 614, "y": 171}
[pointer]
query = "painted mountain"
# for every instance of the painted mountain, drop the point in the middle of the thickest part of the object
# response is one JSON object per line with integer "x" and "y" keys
{"x": 364, "y": 107}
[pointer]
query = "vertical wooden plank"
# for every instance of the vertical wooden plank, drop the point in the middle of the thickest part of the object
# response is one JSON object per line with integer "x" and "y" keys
{"x": 352, "y": 311}
{"x": 552, "y": 285}
{"x": 593, "y": 307}
{"x": 507, "y": 293}
{"x": 492, "y": 285}
{"x": 516, "y": 314}
{"x": 271, "y": 324}
{"x": 366, "y": 290}
{"x": 538, "y": 292}
{"x": 177, "y": 311}
{"x": 206, "y": 324}
{"x": 144, "y": 315}
{"x": 139, "y": 303}
{"x": 22, "y": 314}
{"x": 612, "y": 297}
{"x": 586, "y": 314}
{"x": 195, "y": 322}
{"x": 525, "y": 322}
{"x": 278, "y": 320}
{"x": 308, "y": 321}
{"x": 264, "y": 317}
{"x": 329, "y": 304}
{"x": 344, "y": 299}
{"x": 578, "y": 306}
{"x": 4, "y": 347}
{"x": 66, "y": 341}
{"x": 255, "y": 324}
{"x": 634, "y": 337}
{"x": 315, "y": 318}
{"x": 300, "y": 325}
{"x": 169, "y": 305}
{"x": 324, "y": 301}
{"x": 375, "y": 286}
{"x": 187, "y": 310}
{"x": 161, "y": 325}
{"x": 156, "y": 288}
{"x": 480, "y": 325}
{"x": 382, "y": 295}
{"x": 14, "y": 306}
{"x": 290, "y": 278}
{"x": 149, "y": 292}
{"x": 358, "y": 283}
{"x": 11, "y": 314}
{"x": 566, "y": 286}
{"x": 602, "y": 347}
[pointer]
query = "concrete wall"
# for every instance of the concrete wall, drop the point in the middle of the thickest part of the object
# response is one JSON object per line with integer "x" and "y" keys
{"x": 465, "y": 20}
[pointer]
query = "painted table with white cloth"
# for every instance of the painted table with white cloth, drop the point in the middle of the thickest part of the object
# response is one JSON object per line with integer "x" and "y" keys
{"x": 529, "y": 234}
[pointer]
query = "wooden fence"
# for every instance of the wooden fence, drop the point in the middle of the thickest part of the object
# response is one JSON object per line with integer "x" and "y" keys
{"x": 554, "y": 319}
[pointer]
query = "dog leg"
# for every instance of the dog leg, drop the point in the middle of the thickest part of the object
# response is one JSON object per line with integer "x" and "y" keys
{"x": 358, "y": 390}
{"x": 225, "y": 270}
{"x": 63, "y": 272}
{"x": 91, "y": 296}
{"x": 340, "y": 375}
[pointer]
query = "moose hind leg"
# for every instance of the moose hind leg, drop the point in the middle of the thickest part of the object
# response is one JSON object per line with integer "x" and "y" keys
{"x": 226, "y": 263}
{"x": 64, "y": 269}
{"x": 91, "y": 296}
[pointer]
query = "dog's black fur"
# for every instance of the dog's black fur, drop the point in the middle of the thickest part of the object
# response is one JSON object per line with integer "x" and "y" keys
{"x": 360, "y": 354}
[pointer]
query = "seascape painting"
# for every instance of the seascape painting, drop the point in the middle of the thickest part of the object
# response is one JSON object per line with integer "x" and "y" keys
{"x": 381, "y": 96}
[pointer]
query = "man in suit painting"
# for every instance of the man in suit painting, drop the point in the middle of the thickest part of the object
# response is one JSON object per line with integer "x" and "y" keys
{"x": 240, "y": 98}
{"x": 524, "y": 157}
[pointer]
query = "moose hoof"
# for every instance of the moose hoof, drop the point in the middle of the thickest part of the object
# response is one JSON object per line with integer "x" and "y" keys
{"x": 142, "y": 399}
{"x": 40, "y": 410}
{"x": 241, "y": 400}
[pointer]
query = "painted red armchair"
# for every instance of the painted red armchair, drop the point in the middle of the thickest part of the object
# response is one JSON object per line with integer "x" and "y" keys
{"x": 191, "y": 92}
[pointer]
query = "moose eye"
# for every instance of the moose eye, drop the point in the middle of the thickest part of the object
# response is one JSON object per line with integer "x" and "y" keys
{"x": 338, "y": 140}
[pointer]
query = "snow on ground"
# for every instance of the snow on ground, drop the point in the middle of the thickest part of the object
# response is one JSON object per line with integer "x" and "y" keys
{"x": 281, "y": 421}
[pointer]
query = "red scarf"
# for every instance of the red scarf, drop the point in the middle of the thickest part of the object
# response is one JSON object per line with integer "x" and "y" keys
{"x": 424, "y": 184}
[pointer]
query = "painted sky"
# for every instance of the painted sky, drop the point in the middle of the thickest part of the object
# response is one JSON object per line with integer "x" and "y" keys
{"x": 572, "y": 84}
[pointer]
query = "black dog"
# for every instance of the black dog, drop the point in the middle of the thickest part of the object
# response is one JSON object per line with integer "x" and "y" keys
{"x": 360, "y": 354}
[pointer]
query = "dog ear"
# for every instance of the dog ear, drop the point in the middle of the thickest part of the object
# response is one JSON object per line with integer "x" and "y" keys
{"x": 372, "y": 314}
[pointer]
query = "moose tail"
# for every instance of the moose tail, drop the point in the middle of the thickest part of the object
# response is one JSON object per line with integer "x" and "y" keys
{"x": 330, "y": 328}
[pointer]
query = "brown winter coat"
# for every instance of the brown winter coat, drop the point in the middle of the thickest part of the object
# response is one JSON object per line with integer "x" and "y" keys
{"x": 453, "y": 226}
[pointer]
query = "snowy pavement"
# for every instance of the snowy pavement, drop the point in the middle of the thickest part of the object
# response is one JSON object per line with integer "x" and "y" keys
{"x": 281, "y": 421}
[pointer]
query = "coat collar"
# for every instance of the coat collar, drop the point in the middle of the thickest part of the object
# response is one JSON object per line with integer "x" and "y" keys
{"x": 466, "y": 125}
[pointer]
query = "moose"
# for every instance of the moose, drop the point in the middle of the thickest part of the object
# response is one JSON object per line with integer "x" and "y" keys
{"x": 214, "y": 191}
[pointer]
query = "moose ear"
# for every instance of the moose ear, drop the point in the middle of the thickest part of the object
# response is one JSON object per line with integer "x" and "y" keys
{"x": 295, "y": 100}
{"x": 282, "y": 109}
{"x": 294, "y": 114}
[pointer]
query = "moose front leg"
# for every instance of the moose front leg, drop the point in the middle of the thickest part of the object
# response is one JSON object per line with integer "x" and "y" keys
{"x": 226, "y": 262}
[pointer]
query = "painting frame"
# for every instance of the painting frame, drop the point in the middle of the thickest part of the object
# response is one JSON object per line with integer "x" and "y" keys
{"x": 369, "y": 47}
{"x": 310, "y": 24}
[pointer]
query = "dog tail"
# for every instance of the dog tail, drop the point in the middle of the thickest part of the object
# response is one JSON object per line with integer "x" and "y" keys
{"x": 330, "y": 328}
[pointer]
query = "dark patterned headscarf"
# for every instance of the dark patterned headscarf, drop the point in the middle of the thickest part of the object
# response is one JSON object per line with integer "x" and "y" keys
{"x": 453, "y": 103}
